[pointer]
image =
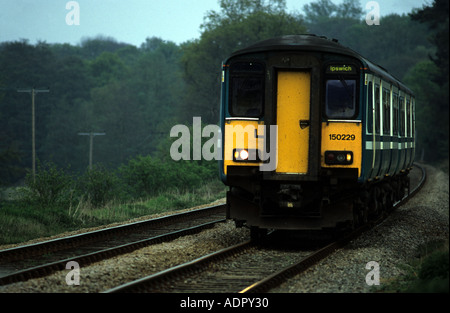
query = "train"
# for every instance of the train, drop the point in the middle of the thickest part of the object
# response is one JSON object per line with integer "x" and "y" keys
{"x": 313, "y": 136}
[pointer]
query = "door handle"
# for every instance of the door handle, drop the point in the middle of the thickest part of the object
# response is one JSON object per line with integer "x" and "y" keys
{"x": 304, "y": 123}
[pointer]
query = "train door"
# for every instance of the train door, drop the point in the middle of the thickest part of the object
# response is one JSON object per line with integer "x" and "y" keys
{"x": 394, "y": 141}
{"x": 402, "y": 124}
{"x": 293, "y": 121}
{"x": 369, "y": 138}
{"x": 374, "y": 146}
{"x": 385, "y": 128}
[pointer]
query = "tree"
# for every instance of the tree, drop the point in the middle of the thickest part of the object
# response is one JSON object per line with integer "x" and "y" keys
{"x": 397, "y": 44}
{"x": 238, "y": 10}
{"x": 106, "y": 68}
{"x": 436, "y": 17}
{"x": 25, "y": 66}
{"x": 10, "y": 169}
{"x": 316, "y": 12}
{"x": 92, "y": 48}
{"x": 430, "y": 136}
{"x": 323, "y": 10}
{"x": 350, "y": 9}
{"x": 436, "y": 102}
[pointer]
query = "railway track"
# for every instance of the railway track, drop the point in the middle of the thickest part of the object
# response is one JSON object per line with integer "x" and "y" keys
{"x": 41, "y": 259}
{"x": 244, "y": 267}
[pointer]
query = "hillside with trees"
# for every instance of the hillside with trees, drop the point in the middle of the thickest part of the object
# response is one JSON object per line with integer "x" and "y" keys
{"x": 136, "y": 94}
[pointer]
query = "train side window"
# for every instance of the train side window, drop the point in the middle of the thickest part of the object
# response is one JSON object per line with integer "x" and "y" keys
{"x": 402, "y": 116}
{"x": 413, "y": 118}
{"x": 370, "y": 108}
{"x": 340, "y": 98}
{"x": 408, "y": 120}
{"x": 386, "y": 112}
{"x": 247, "y": 89}
{"x": 395, "y": 112}
{"x": 377, "y": 109}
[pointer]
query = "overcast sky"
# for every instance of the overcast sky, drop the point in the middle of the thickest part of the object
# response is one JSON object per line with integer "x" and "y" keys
{"x": 129, "y": 21}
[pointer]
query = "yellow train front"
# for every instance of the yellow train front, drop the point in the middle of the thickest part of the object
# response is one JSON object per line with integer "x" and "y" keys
{"x": 313, "y": 135}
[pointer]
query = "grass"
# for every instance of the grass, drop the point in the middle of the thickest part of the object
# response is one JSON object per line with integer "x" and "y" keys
{"x": 20, "y": 221}
{"x": 427, "y": 273}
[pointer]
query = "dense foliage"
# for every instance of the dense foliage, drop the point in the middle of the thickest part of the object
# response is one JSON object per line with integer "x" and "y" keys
{"x": 136, "y": 94}
{"x": 142, "y": 177}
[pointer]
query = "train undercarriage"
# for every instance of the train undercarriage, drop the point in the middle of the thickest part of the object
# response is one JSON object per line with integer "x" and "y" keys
{"x": 322, "y": 205}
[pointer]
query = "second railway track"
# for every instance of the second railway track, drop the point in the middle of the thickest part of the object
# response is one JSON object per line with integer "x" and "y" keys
{"x": 37, "y": 260}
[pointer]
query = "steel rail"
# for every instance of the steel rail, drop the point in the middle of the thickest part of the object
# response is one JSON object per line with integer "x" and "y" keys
{"x": 175, "y": 272}
{"x": 417, "y": 188}
{"x": 49, "y": 246}
{"x": 86, "y": 259}
{"x": 122, "y": 247}
{"x": 282, "y": 275}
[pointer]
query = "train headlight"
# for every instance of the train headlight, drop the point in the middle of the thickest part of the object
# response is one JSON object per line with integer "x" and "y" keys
{"x": 245, "y": 155}
{"x": 349, "y": 157}
{"x": 338, "y": 157}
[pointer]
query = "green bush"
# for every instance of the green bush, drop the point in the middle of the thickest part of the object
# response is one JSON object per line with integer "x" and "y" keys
{"x": 99, "y": 185}
{"x": 147, "y": 176}
{"x": 433, "y": 273}
{"x": 50, "y": 187}
{"x": 435, "y": 266}
{"x": 144, "y": 175}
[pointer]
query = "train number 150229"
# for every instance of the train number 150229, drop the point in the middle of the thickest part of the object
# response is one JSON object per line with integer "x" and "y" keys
{"x": 342, "y": 137}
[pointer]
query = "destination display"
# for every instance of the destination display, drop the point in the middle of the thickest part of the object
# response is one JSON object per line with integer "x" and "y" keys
{"x": 341, "y": 69}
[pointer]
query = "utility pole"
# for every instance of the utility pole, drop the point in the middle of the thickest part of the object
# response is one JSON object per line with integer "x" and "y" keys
{"x": 33, "y": 92}
{"x": 91, "y": 144}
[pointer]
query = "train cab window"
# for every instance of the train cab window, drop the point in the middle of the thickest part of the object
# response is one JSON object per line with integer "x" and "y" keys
{"x": 247, "y": 89}
{"x": 340, "y": 98}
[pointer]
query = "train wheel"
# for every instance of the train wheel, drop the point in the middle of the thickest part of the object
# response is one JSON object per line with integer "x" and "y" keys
{"x": 390, "y": 199}
{"x": 364, "y": 214}
{"x": 402, "y": 185}
{"x": 387, "y": 198}
{"x": 408, "y": 184}
{"x": 374, "y": 205}
{"x": 395, "y": 190}
{"x": 360, "y": 213}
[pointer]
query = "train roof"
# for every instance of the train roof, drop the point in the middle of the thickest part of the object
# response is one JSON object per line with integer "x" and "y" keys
{"x": 307, "y": 42}
{"x": 310, "y": 42}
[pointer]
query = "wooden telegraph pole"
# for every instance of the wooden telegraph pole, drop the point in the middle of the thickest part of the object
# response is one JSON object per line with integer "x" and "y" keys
{"x": 33, "y": 91}
{"x": 91, "y": 144}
